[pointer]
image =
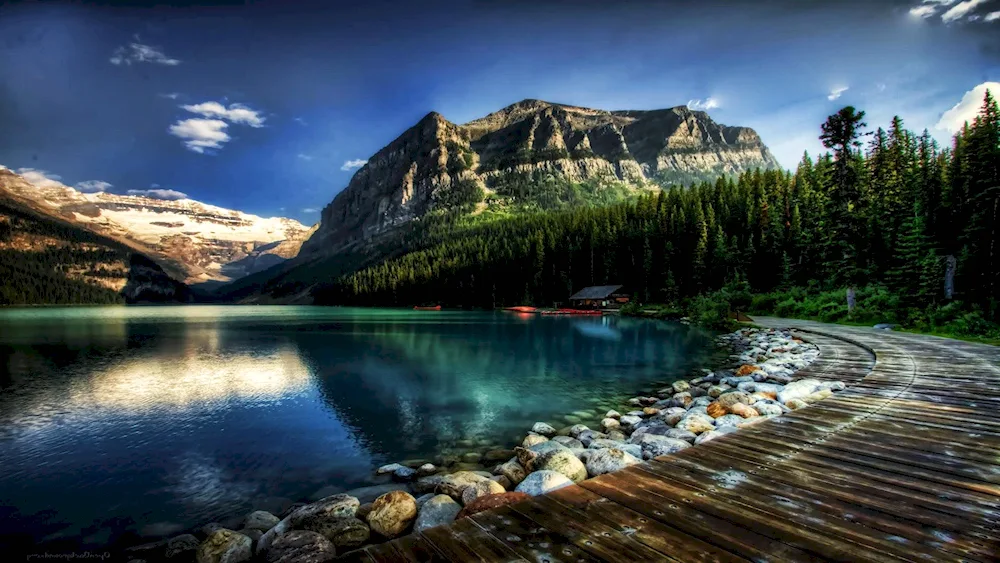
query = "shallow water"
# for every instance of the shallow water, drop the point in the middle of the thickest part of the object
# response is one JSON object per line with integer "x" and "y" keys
{"x": 149, "y": 420}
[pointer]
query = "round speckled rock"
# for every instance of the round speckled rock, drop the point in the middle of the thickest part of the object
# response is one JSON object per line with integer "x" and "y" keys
{"x": 608, "y": 460}
{"x": 393, "y": 513}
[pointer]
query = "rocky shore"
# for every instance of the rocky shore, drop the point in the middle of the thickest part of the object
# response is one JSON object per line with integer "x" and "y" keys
{"x": 757, "y": 384}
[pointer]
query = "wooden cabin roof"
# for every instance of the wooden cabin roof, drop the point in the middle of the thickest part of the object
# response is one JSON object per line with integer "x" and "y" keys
{"x": 596, "y": 292}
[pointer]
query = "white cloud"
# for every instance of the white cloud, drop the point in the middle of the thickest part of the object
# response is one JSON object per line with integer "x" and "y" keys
{"x": 353, "y": 164}
{"x": 992, "y": 16}
{"x": 310, "y": 210}
{"x": 41, "y": 178}
{"x": 967, "y": 109}
{"x": 960, "y": 10}
{"x": 92, "y": 186}
{"x": 171, "y": 95}
{"x": 923, "y": 11}
{"x": 209, "y": 132}
{"x": 837, "y": 92}
{"x": 304, "y": 156}
{"x": 201, "y": 134}
{"x": 140, "y": 53}
{"x": 235, "y": 113}
{"x": 159, "y": 194}
{"x": 299, "y": 120}
{"x": 700, "y": 105}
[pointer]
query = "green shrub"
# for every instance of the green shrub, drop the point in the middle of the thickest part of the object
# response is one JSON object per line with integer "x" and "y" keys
{"x": 711, "y": 312}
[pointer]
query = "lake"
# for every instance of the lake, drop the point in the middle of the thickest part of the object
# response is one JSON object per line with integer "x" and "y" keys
{"x": 121, "y": 422}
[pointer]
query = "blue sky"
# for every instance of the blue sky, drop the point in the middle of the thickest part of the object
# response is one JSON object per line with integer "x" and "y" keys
{"x": 259, "y": 107}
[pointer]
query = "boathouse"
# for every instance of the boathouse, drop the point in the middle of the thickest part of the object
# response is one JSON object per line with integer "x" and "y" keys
{"x": 599, "y": 297}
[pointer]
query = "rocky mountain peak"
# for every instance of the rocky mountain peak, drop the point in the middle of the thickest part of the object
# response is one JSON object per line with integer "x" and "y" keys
{"x": 436, "y": 162}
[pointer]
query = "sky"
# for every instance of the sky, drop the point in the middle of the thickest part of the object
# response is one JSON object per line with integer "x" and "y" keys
{"x": 270, "y": 106}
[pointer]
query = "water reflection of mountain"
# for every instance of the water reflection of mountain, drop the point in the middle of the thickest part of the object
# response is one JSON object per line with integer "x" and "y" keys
{"x": 135, "y": 364}
{"x": 413, "y": 387}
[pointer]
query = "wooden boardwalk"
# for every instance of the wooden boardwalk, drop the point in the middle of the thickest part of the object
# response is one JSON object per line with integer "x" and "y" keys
{"x": 903, "y": 465}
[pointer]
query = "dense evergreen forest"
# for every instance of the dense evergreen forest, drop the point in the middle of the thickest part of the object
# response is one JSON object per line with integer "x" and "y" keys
{"x": 39, "y": 276}
{"x": 44, "y": 261}
{"x": 888, "y": 212}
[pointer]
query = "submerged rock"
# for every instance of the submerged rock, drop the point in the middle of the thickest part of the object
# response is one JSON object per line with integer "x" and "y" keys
{"x": 497, "y": 456}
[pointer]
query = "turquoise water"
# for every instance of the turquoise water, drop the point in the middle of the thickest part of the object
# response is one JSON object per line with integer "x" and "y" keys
{"x": 129, "y": 422}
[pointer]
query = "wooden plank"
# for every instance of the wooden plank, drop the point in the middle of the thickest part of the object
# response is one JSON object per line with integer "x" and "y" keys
{"x": 749, "y": 542}
{"x": 530, "y": 540}
{"x": 587, "y": 534}
{"x": 906, "y": 449}
{"x": 849, "y": 480}
{"x": 875, "y": 521}
{"x": 413, "y": 549}
{"x": 862, "y": 469}
{"x": 465, "y": 541}
{"x": 660, "y": 537}
{"x": 979, "y": 478}
{"x": 357, "y": 556}
{"x": 760, "y": 505}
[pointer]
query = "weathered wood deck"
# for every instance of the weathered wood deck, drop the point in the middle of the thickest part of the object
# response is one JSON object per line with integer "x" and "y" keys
{"x": 903, "y": 465}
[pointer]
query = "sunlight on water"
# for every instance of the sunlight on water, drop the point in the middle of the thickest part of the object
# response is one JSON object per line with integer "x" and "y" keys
{"x": 155, "y": 419}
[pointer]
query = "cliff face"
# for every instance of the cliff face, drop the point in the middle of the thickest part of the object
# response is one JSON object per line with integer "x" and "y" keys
{"x": 194, "y": 241}
{"x": 436, "y": 162}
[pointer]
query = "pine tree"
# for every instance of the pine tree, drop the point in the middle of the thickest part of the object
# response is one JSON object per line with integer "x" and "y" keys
{"x": 841, "y": 133}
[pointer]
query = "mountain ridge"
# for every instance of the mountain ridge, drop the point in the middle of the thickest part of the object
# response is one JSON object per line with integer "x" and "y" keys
{"x": 438, "y": 164}
{"x": 194, "y": 241}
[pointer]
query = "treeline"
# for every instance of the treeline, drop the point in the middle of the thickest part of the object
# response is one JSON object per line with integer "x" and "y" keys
{"x": 888, "y": 208}
{"x": 38, "y": 277}
{"x": 32, "y": 277}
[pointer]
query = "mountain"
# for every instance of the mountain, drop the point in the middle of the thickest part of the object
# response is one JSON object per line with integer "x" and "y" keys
{"x": 498, "y": 160}
{"x": 195, "y": 242}
{"x": 47, "y": 260}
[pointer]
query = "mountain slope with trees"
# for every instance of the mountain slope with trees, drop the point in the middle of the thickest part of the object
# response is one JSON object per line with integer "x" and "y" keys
{"x": 44, "y": 261}
{"x": 890, "y": 209}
